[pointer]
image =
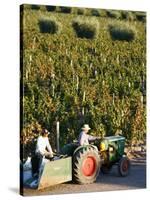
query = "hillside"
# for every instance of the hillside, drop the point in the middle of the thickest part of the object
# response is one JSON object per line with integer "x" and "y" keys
{"x": 75, "y": 80}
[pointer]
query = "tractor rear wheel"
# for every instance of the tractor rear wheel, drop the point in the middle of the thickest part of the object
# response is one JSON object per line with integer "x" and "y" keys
{"x": 86, "y": 165}
{"x": 124, "y": 166}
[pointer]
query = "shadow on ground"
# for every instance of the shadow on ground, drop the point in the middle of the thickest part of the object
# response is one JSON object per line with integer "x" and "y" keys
{"x": 110, "y": 182}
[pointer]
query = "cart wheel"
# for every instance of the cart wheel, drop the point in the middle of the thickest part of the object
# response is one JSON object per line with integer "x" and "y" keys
{"x": 124, "y": 166}
{"x": 105, "y": 169}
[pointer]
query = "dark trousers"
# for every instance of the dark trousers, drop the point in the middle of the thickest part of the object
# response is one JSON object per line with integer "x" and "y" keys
{"x": 36, "y": 162}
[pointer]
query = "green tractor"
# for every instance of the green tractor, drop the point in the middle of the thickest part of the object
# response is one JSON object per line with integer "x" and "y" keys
{"x": 81, "y": 164}
{"x": 87, "y": 161}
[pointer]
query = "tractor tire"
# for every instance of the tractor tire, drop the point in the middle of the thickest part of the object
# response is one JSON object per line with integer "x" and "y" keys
{"x": 124, "y": 166}
{"x": 105, "y": 169}
{"x": 86, "y": 165}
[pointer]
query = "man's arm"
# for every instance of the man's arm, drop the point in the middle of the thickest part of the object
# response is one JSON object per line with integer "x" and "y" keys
{"x": 49, "y": 147}
{"x": 91, "y": 138}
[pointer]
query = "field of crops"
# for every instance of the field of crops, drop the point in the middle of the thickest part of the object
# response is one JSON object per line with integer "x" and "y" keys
{"x": 74, "y": 80}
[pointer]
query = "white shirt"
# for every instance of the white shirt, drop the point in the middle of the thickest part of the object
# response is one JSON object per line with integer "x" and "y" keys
{"x": 84, "y": 138}
{"x": 42, "y": 144}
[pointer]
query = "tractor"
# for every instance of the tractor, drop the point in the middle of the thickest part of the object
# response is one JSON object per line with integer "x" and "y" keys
{"x": 82, "y": 164}
{"x": 89, "y": 160}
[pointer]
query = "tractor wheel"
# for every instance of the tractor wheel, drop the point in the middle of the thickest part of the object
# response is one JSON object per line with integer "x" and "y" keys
{"x": 86, "y": 165}
{"x": 105, "y": 169}
{"x": 124, "y": 166}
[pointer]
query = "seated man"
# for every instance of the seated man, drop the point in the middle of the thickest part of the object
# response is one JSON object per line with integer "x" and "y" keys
{"x": 43, "y": 149}
{"x": 84, "y": 138}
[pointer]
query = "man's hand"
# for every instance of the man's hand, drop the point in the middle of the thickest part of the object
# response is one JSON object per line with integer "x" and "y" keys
{"x": 98, "y": 138}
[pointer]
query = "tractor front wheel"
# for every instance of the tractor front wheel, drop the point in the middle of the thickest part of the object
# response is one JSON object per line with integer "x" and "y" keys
{"x": 86, "y": 165}
{"x": 124, "y": 166}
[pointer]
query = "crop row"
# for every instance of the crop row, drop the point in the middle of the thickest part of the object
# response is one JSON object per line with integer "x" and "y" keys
{"x": 76, "y": 80}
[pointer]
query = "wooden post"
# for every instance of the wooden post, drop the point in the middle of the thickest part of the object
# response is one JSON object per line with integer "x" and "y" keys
{"x": 83, "y": 96}
{"x": 91, "y": 65}
{"x": 118, "y": 59}
{"x": 83, "y": 109}
{"x": 66, "y": 51}
{"x": 77, "y": 85}
{"x": 57, "y": 132}
{"x": 95, "y": 72}
{"x": 53, "y": 90}
{"x": 34, "y": 41}
{"x": 113, "y": 98}
{"x": 28, "y": 67}
{"x": 142, "y": 100}
{"x": 129, "y": 84}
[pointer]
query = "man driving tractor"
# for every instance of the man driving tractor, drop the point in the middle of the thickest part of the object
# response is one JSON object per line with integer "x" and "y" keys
{"x": 84, "y": 137}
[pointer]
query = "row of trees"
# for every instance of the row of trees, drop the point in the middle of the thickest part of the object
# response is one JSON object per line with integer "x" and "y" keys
{"x": 115, "y": 14}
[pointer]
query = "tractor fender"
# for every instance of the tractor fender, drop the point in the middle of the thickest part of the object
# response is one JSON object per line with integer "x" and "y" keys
{"x": 84, "y": 146}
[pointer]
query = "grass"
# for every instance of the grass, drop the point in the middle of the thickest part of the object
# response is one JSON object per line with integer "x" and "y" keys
{"x": 49, "y": 25}
{"x": 122, "y": 32}
{"x": 86, "y": 27}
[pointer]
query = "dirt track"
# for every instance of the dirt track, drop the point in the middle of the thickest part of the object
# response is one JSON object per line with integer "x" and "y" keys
{"x": 109, "y": 182}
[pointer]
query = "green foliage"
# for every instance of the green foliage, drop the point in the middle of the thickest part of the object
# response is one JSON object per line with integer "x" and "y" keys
{"x": 50, "y": 8}
{"x": 28, "y": 138}
{"x": 113, "y": 14}
{"x": 26, "y": 6}
{"x": 95, "y": 12}
{"x": 124, "y": 14}
{"x": 101, "y": 82}
{"x": 103, "y": 13}
{"x": 80, "y": 11}
{"x": 86, "y": 28}
{"x": 131, "y": 16}
{"x": 140, "y": 16}
{"x": 65, "y": 9}
{"x": 49, "y": 25}
{"x": 122, "y": 31}
{"x": 35, "y": 7}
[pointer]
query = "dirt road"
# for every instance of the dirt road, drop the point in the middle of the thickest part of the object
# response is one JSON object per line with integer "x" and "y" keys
{"x": 109, "y": 182}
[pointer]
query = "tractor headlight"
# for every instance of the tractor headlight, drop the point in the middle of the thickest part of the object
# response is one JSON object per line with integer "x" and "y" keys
{"x": 111, "y": 149}
{"x": 102, "y": 146}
